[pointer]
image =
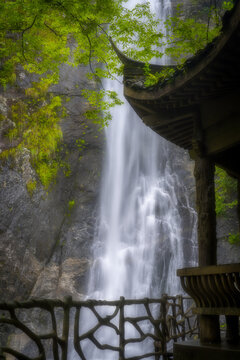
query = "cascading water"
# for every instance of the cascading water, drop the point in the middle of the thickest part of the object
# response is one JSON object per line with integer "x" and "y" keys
{"x": 139, "y": 228}
{"x": 139, "y": 240}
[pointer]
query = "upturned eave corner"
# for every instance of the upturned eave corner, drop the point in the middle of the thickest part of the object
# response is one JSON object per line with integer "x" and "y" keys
{"x": 125, "y": 60}
{"x": 133, "y": 68}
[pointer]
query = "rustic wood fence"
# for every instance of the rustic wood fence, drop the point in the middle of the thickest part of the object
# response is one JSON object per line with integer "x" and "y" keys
{"x": 162, "y": 322}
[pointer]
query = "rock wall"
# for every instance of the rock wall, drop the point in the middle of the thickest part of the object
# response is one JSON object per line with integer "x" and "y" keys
{"x": 228, "y": 224}
{"x": 45, "y": 245}
{"x": 45, "y": 248}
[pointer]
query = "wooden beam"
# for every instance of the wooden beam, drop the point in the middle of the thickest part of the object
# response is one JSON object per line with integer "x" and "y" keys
{"x": 219, "y": 110}
{"x": 223, "y": 135}
{"x": 149, "y": 109}
{"x": 209, "y": 270}
{"x": 178, "y": 127}
{"x": 184, "y": 136}
{"x": 186, "y": 144}
{"x": 163, "y": 118}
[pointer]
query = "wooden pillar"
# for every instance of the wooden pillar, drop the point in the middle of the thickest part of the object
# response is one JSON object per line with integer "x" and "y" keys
{"x": 232, "y": 322}
{"x": 238, "y": 205}
{"x": 207, "y": 242}
{"x": 232, "y": 334}
{"x": 121, "y": 329}
{"x": 205, "y": 201}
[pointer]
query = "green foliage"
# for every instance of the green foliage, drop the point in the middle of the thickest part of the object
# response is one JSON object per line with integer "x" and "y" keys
{"x": 31, "y": 186}
{"x": 187, "y": 37}
{"x": 81, "y": 144}
{"x": 39, "y": 39}
{"x": 101, "y": 102}
{"x": 228, "y": 5}
{"x": 234, "y": 239}
{"x": 36, "y": 128}
{"x": 153, "y": 78}
{"x": 225, "y": 189}
{"x": 137, "y": 32}
{"x": 71, "y": 204}
{"x": 40, "y": 35}
{"x": 225, "y": 192}
{"x": 35, "y": 34}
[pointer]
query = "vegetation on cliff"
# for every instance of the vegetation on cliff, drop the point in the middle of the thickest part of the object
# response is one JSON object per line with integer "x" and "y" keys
{"x": 225, "y": 195}
{"x": 37, "y": 36}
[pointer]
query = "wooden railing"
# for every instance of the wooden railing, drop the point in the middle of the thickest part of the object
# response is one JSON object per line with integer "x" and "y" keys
{"x": 168, "y": 319}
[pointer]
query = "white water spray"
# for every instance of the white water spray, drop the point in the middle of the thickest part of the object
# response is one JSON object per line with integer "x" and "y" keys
{"x": 138, "y": 242}
{"x": 139, "y": 239}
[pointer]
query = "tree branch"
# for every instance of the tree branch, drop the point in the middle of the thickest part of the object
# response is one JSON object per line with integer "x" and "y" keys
{"x": 54, "y": 31}
{"x": 22, "y": 34}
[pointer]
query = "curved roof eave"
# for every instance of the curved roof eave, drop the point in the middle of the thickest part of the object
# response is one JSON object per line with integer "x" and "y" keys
{"x": 193, "y": 67}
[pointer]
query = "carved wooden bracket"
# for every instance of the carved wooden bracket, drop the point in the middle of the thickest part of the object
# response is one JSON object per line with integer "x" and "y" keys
{"x": 215, "y": 289}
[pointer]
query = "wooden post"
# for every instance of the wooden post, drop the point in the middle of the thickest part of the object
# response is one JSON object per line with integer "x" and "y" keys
{"x": 205, "y": 201}
{"x": 65, "y": 331}
{"x": 232, "y": 334}
{"x": 164, "y": 325}
{"x": 174, "y": 320}
{"x": 209, "y": 329}
{"x": 2, "y": 357}
{"x": 207, "y": 241}
{"x": 181, "y": 303}
{"x": 238, "y": 205}
{"x": 121, "y": 329}
{"x": 232, "y": 322}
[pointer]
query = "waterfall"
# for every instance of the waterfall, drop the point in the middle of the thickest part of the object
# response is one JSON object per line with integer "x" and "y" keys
{"x": 138, "y": 244}
{"x": 139, "y": 233}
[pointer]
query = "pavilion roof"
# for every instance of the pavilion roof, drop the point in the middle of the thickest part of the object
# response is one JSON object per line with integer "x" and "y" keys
{"x": 176, "y": 109}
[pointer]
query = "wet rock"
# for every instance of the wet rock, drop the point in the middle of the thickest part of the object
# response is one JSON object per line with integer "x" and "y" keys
{"x": 227, "y": 253}
{"x": 19, "y": 342}
{"x": 23, "y": 165}
{"x": 59, "y": 281}
{"x": 45, "y": 248}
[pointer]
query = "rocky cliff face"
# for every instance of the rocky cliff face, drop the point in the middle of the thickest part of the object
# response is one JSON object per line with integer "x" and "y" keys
{"x": 45, "y": 243}
{"x": 45, "y": 246}
{"x": 228, "y": 224}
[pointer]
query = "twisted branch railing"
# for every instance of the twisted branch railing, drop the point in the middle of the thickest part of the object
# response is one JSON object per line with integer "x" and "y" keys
{"x": 162, "y": 321}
